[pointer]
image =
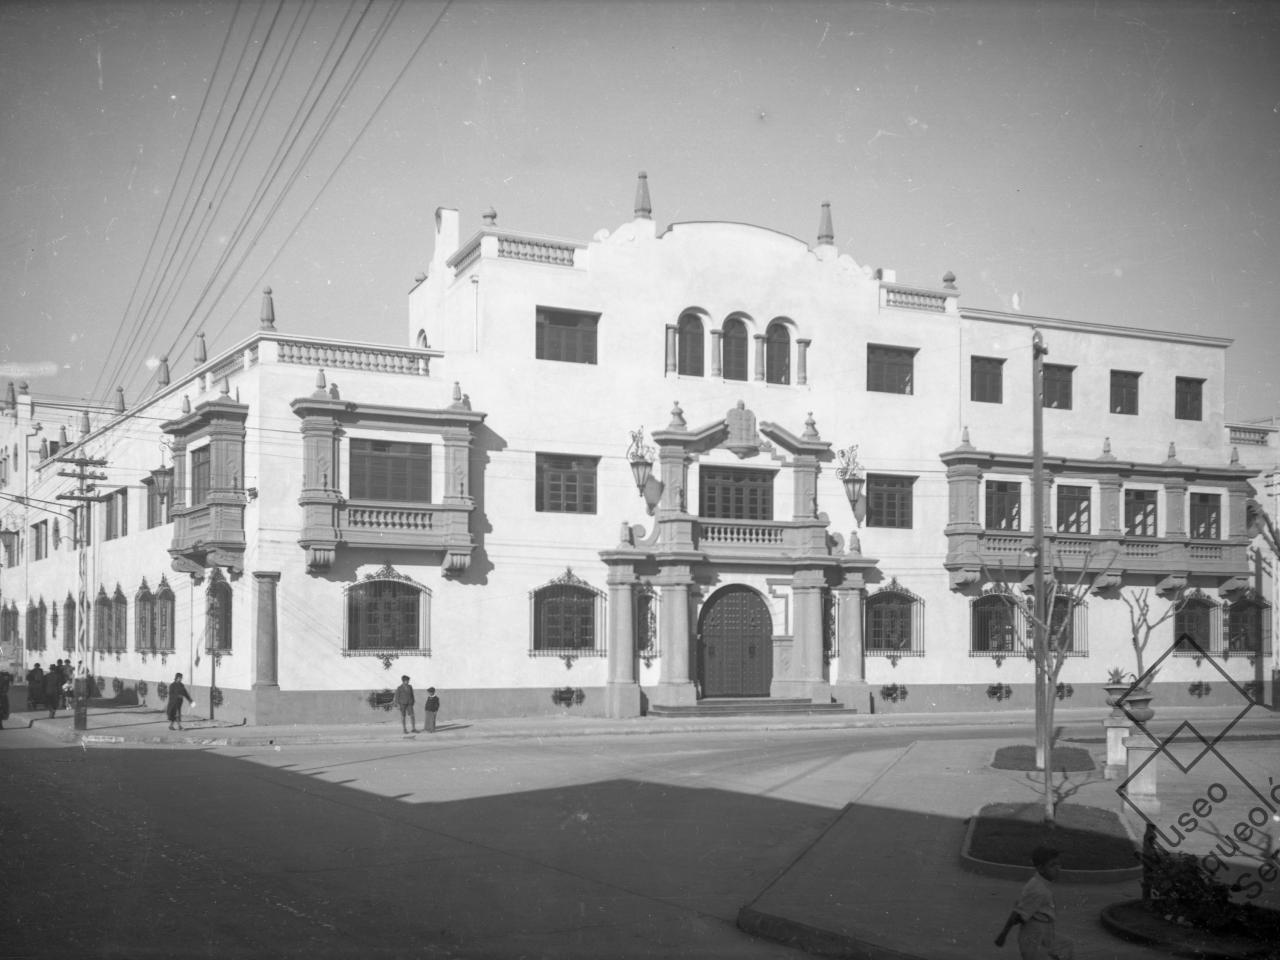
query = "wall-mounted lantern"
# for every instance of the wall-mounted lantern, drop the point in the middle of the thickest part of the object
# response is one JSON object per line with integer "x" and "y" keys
{"x": 850, "y": 475}
{"x": 640, "y": 457}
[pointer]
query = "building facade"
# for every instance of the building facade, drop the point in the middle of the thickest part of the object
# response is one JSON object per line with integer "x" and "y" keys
{"x": 637, "y": 474}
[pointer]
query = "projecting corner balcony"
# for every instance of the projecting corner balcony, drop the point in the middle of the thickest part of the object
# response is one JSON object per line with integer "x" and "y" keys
{"x": 974, "y": 556}
{"x": 364, "y": 524}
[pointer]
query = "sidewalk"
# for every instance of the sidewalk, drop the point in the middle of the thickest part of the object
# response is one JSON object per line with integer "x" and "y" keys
{"x": 884, "y": 880}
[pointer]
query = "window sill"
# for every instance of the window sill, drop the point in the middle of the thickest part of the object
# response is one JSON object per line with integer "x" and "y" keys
{"x": 382, "y": 653}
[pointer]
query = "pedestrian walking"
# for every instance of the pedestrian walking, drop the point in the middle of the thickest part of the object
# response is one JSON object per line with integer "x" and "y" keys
{"x": 6, "y": 680}
{"x": 404, "y": 700}
{"x": 35, "y": 687}
{"x": 52, "y": 690}
{"x": 177, "y": 693}
{"x": 433, "y": 707}
{"x": 1036, "y": 913}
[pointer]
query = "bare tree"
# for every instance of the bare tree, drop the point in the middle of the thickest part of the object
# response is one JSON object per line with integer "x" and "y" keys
{"x": 1065, "y": 595}
{"x": 1141, "y": 624}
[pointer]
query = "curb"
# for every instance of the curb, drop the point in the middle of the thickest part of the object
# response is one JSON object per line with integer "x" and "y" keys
{"x": 1183, "y": 941}
{"x": 1011, "y": 871}
{"x": 815, "y": 940}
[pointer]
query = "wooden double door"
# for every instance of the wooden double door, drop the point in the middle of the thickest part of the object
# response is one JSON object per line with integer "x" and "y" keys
{"x": 735, "y": 644}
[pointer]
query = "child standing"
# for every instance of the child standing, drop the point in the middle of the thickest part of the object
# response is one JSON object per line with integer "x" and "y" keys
{"x": 1035, "y": 911}
{"x": 404, "y": 700}
{"x": 433, "y": 707}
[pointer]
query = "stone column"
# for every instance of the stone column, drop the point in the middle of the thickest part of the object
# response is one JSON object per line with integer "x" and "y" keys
{"x": 850, "y": 687}
{"x": 622, "y": 696}
{"x": 806, "y": 681}
{"x": 715, "y": 352}
{"x": 759, "y": 356}
{"x": 675, "y": 686}
{"x": 802, "y": 361}
{"x": 265, "y": 690}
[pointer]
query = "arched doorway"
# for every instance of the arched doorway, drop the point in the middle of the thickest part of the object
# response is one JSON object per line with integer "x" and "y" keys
{"x": 735, "y": 644}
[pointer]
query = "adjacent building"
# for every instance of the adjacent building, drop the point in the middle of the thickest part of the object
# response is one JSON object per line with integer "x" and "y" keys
{"x": 638, "y": 474}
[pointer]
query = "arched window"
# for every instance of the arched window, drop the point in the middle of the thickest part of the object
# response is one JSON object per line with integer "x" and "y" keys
{"x": 102, "y": 621}
{"x": 36, "y": 615}
{"x": 218, "y": 615}
{"x": 9, "y": 623}
{"x": 387, "y": 612}
{"x": 895, "y": 623}
{"x": 144, "y": 620}
{"x": 996, "y": 627}
{"x": 70, "y": 624}
{"x": 567, "y": 613}
{"x": 119, "y": 621}
{"x": 733, "y": 348}
{"x": 1197, "y": 619}
{"x": 164, "y": 618}
{"x": 689, "y": 346}
{"x": 777, "y": 354}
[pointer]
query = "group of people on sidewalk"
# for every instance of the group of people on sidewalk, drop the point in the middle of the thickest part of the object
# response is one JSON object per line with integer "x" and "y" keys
{"x": 404, "y": 699}
{"x": 50, "y": 688}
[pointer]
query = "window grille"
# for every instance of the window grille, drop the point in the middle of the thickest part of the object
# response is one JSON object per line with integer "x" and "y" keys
{"x": 646, "y": 624}
{"x": 566, "y": 617}
{"x": 1248, "y": 627}
{"x": 144, "y": 622}
{"x": 1200, "y": 619}
{"x": 119, "y": 621}
{"x": 894, "y": 623}
{"x": 164, "y": 607}
{"x": 997, "y": 627}
{"x": 70, "y": 625}
{"x": 102, "y": 622}
{"x": 734, "y": 350}
{"x": 217, "y": 637}
{"x": 387, "y": 612}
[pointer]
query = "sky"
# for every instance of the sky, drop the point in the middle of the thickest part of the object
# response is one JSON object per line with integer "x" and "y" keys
{"x": 163, "y": 162}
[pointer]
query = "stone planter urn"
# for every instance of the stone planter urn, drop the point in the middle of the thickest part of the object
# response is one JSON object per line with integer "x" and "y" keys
{"x": 1114, "y": 692}
{"x": 1138, "y": 704}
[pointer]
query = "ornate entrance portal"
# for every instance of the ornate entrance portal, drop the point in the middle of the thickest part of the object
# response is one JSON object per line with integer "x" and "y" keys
{"x": 735, "y": 644}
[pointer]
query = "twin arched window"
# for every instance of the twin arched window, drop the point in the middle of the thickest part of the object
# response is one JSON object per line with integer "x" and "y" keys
{"x": 735, "y": 350}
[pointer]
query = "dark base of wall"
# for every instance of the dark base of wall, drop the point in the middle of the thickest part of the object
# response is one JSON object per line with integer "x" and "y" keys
{"x": 987, "y": 698}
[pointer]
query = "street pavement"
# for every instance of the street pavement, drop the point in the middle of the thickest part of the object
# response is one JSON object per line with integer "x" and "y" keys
{"x": 884, "y": 878}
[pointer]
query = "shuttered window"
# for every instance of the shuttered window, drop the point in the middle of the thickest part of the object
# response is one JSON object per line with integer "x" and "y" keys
{"x": 731, "y": 494}
{"x": 565, "y": 484}
{"x": 390, "y": 470}
{"x": 566, "y": 335}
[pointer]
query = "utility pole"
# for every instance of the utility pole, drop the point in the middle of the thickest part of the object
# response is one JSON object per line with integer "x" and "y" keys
{"x": 1038, "y": 351}
{"x": 84, "y": 474}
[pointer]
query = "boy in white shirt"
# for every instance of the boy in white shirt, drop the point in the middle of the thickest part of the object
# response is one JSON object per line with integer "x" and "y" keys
{"x": 1036, "y": 913}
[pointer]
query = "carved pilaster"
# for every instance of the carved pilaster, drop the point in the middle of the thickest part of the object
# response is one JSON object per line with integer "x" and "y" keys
{"x": 716, "y": 337}
{"x": 802, "y": 361}
{"x": 759, "y": 338}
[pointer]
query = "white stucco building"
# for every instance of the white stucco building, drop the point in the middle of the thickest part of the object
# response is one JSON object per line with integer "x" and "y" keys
{"x": 471, "y": 508}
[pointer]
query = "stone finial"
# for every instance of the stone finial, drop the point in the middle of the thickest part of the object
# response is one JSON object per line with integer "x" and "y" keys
{"x": 677, "y": 418}
{"x": 62, "y": 436}
{"x": 23, "y": 389}
{"x": 186, "y": 403}
{"x": 419, "y": 277}
{"x": 162, "y": 373}
{"x": 321, "y": 385}
{"x": 948, "y": 281}
{"x": 964, "y": 438}
{"x": 1106, "y": 449}
{"x": 333, "y": 392}
{"x": 225, "y": 389}
{"x": 267, "y": 321}
{"x": 810, "y": 428}
{"x": 1235, "y": 456}
{"x": 490, "y": 217}
{"x": 44, "y": 448}
{"x": 201, "y": 353}
{"x": 826, "y": 232}
{"x": 119, "y": 399}
{"x": 1173, "y": 453}
{"x": 644, "y": 207}
{"x": 84, "y": 423}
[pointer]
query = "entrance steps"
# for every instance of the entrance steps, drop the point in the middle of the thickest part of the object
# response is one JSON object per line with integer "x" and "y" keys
{"x": 749, "y": 707}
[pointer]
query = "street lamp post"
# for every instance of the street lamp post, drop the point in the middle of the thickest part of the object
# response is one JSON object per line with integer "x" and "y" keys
{"x": 1038, "y": 351}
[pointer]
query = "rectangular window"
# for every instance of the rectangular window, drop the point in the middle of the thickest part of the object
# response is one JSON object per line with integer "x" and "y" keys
{"x": 1188, "y": 393}
{"x": 1124, "y": 392}
{"x": 1004, "y": 505}
{"x": 200, "y": 475}
{"x": 1057, "y": 386}
{"x": 986, "y": 379}
{"x": 890, "y": 369}
{"x": 726, "y": 493}
{"x": 1206, "y": 516}
{"x": 566, "y": 335}
{"x": 40, "y": 540}
{"x": 116, "y": 522}
{"x": 889, "y": 501}
{"x": 1073, "y": 509}
{"x": 390, "y": 470}
{"x": 1140, "y": 513}
{"x": 565, "y": 484}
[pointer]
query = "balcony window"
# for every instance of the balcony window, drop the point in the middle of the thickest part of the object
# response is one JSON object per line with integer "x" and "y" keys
{"x": 1124, "y": 392}
{"x": 890, "y": 369}
{"x": 690, "y": 346}
{"x": 1140, "y": 513}
{"x": 387, "y": 612}
{"x": 996, "y": 627}
{"x": 565, "y": 484}
{"x": 566, "y": 335}
{"x": 1057, "y": 386}
{"x": 734, "y": 350}
{"x": 566, "y": 613}
{"x": 1074, "y": 509}
{"x": 1206, "y": 516}
{"x": 1188, "y": 395}
{"x": 200, "y": 474}
{"x": 889, "y": 501}
{"x": 727, "y": 493}
{"x": 1004, "y": 505}
{"x": 986, "y": 379}
{"x": 777, "y": 354}
{"x": 894, "y": 623}
{"x": 391, "y": 471}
